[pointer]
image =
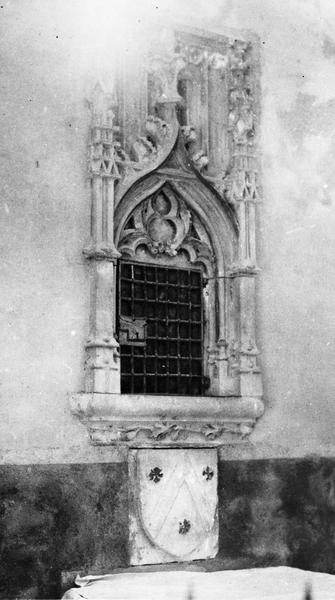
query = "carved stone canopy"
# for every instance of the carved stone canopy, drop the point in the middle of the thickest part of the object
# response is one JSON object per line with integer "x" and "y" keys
{"x": 173, "y": 165}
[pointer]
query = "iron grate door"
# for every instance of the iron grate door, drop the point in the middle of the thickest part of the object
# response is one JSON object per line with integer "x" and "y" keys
{"x": 160, "y": 329}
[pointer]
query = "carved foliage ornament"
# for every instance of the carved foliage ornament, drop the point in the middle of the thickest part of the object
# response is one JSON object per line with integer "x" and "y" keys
{"x": 169, "y": 433}
{"x": 149, "y": 148}
{"x": 108, "y": 158}
{"x": 164, "y": 225}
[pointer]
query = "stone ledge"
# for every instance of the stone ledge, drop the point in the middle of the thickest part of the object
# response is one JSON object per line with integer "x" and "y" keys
{"x": 156, "y": 421}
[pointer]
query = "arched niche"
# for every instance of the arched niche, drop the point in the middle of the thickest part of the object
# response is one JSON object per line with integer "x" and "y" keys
{"x": 175, "y": 219}
{"x": 208, "y": 165}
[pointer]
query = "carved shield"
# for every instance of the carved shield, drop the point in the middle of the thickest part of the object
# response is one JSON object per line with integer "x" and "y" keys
{"x": 176, "y": 505}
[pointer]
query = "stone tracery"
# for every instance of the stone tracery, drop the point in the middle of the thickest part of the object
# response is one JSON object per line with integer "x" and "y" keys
{"x": 187, "y": 187}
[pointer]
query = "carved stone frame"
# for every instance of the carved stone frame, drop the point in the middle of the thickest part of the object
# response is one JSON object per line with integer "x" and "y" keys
{"x": 223, "y": 197}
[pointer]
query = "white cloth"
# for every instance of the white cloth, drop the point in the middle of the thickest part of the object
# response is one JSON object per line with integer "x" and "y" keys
{"x": 273, "y": 583}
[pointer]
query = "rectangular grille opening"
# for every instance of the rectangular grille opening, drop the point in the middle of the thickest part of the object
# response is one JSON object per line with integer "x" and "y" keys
{"x": 160, "y": 329}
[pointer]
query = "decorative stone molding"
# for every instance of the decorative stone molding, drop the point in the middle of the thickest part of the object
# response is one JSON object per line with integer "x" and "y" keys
{"x": 166, "y": 420}
{"x": 182, "y": 191}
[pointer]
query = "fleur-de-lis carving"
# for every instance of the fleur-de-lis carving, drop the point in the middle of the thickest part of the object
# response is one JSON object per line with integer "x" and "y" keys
{"x": 208, "y": 473}
{"x": 155, "y": 474}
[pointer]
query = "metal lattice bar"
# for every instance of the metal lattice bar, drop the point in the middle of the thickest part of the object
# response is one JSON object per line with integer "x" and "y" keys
{"x": 166, "y": 304}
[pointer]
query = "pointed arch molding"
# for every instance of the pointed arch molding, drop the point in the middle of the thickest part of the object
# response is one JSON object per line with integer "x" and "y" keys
{"x": 172, "y": 186}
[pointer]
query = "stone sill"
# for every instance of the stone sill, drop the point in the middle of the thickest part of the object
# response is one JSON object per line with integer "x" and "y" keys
{"x": 160, "y": 421}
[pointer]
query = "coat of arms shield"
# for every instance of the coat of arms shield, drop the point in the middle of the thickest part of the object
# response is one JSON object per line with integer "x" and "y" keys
{"x": 174, "y": 505}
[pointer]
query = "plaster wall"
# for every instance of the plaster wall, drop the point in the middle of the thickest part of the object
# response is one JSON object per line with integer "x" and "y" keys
{"x": 52, "y": 55}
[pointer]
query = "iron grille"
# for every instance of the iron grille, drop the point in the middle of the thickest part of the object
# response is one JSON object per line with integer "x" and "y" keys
{"x": 160, "y": 329}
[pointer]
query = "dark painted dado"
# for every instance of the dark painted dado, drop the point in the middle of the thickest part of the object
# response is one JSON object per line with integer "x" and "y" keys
{"x": 65, "y": 517}
{"x": 279, "y": 512}
{"x": 58, "y": 517}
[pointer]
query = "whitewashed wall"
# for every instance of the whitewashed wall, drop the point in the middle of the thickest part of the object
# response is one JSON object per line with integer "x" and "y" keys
{"x": 52, "y": 52}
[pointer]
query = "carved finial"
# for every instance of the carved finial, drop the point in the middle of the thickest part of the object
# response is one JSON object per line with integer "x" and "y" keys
{"x": 101, "y": 106}
{"x": 107, "y": 157}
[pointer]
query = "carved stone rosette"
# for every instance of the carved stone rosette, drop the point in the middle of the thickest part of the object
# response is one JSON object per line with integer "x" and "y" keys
{"x": 174, "y": 177}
